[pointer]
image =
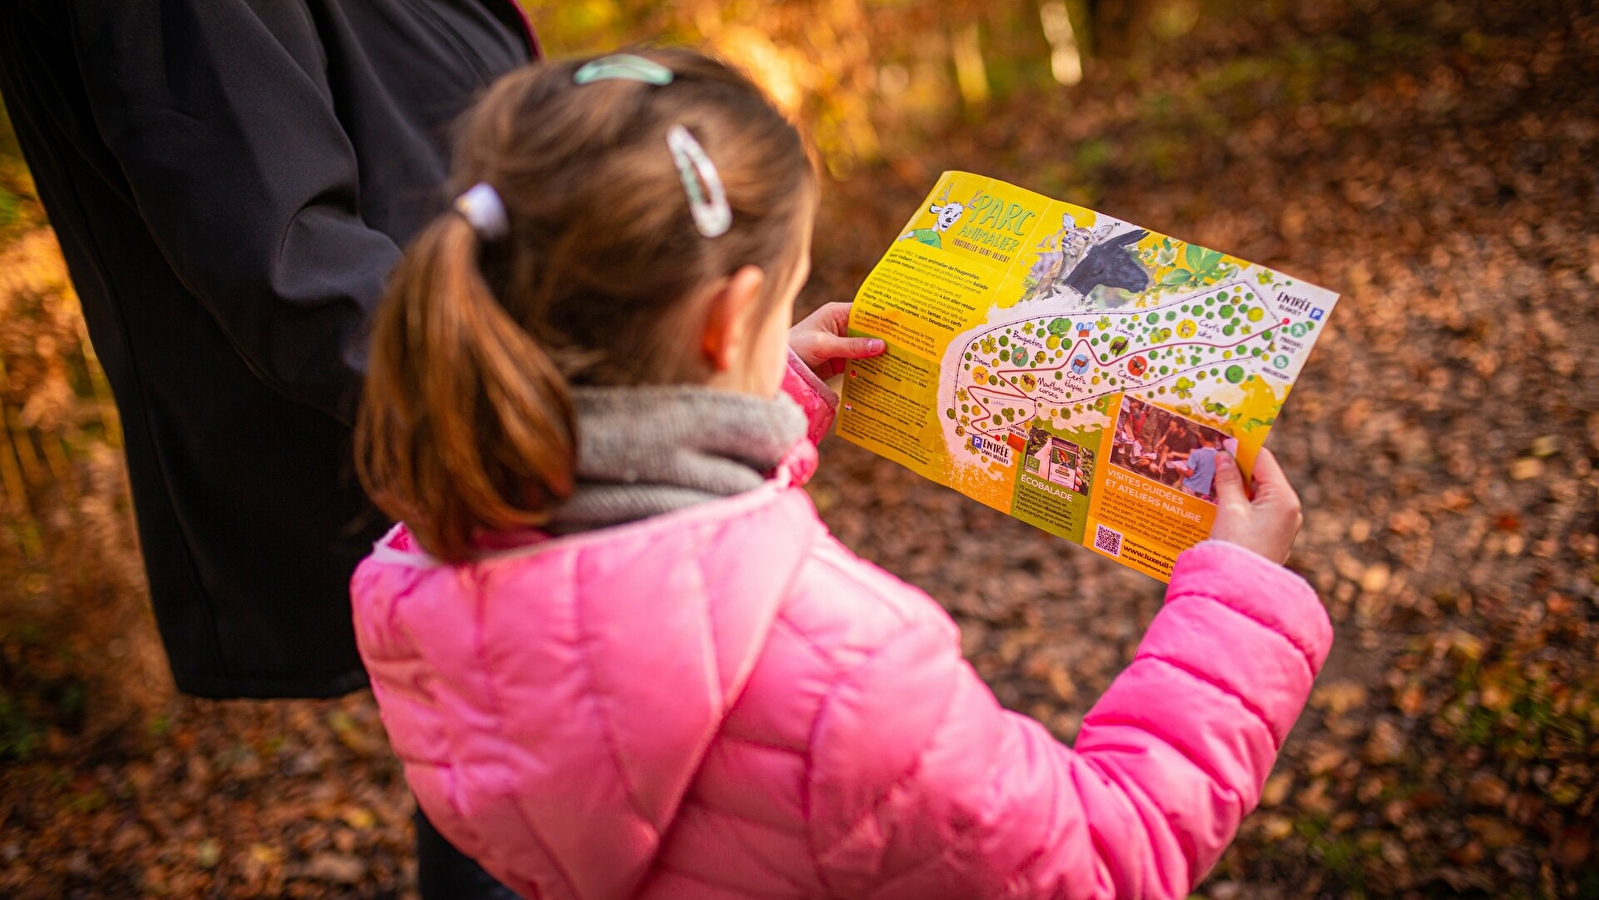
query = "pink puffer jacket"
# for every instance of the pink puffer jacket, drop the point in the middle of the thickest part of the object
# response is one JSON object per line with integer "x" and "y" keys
{"x": 724, "y": 702}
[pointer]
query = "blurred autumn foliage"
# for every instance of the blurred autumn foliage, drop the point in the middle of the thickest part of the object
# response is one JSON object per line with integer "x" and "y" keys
{"x": 1433, "y": 161}
{"x": 72, "y": 616}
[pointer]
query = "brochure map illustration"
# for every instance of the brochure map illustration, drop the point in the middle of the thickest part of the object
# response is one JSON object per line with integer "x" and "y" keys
{"x": 1070, "y": 369}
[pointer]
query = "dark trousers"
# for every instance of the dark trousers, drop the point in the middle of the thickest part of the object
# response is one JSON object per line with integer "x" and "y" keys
{"x": 445, "y": 873}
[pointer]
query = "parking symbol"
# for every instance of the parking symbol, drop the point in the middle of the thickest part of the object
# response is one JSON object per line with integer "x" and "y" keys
{"x": 1316, "y": 314}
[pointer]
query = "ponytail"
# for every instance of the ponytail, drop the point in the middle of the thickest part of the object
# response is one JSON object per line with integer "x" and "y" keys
{"x": 598, "y": 269}
{"x": 466, "y": 424}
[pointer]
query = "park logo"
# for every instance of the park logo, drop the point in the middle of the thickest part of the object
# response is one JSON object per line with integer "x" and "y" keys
{"x": 996, "y": 229}
{"x": 945, "y": 215}
{"x": 995, "y": 226}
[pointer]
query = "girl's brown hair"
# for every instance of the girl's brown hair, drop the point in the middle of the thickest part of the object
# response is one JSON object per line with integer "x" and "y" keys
{"x": 466, "y": 422}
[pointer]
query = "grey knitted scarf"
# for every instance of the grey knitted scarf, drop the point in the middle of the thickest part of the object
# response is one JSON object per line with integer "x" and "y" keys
{"x": 643, "y": 451}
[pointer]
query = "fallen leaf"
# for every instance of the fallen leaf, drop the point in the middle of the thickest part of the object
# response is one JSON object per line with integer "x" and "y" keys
{"x": 1526, "y": 468}
{"x": 1393, "y": 852}
{"x": 1338, "y": 697}
{"x": 1468, "y": 854}
{"x": 1276, "y": 789}
{"x": 208, "y": 853}
{"x": 1375, "y": 578}
{"x": 1545, "y": 446}
{"x": 1411, "y": 698}
{"x": 1486, "y": 789}
{"x": 1276, "y": 828}
{"x": 1386, "y": 744}
{"x": 340, "y": 868}
{"x": 1494, "y": 831}
{"x": 1572, "y": 846}
{"x": 1464, "y": 646}
{"x": 358, "y": 817}
{"x": 1326, "y": 760}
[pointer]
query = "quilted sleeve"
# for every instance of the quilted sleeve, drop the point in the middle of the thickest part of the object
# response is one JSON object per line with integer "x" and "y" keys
{"x": 813, "y": 395}
{"x": 252, "y": 194}
{"x": 923, "y": 786}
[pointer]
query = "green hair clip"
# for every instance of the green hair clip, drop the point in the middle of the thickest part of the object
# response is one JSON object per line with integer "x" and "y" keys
{"x": 625, "y": 66}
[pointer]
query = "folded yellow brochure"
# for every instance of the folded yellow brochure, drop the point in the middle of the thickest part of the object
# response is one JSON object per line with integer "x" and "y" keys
{"x": 1073, "y": 370}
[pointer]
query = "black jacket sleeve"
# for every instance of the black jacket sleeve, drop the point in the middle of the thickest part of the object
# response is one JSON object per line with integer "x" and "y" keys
{"x": 220, "y": 115}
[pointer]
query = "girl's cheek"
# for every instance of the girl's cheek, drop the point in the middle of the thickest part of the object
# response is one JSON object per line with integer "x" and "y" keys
{"x": 774, "y": 381}
{"x": 775, "y": 359}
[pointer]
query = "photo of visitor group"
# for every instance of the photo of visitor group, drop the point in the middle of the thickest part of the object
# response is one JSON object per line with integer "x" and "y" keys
{"x": 1166, "y": 447}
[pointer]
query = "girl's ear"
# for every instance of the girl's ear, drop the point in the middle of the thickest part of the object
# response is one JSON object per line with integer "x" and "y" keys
{"x": 727, "y": 334}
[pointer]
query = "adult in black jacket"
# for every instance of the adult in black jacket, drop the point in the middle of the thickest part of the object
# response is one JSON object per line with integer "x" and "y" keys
{"x": 231, "y": 181}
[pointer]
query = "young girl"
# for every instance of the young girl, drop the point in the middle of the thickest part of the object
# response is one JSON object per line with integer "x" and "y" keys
{"x": 614, "y": 645}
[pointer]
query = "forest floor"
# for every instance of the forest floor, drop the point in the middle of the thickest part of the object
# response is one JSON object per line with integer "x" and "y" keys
{"x": 1433, "y": 165}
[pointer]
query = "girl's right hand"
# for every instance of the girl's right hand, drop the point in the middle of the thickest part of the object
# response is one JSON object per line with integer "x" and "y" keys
{"x": 1265, "y": 524}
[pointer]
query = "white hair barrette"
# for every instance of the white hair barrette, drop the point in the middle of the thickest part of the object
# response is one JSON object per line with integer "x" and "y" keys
{"x": 482, "y": 207}
{"x": 707, "y": 200}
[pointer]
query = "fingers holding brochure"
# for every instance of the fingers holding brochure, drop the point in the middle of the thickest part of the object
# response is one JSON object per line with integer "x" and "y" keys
{"x": 821, "y": 341}
{"x": 1266, "y": 523}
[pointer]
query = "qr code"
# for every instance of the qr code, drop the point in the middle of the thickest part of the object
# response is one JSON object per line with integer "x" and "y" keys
{"x": 1107, "y": 540}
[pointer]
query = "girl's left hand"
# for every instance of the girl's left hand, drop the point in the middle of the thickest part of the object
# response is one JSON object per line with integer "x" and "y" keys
{"x": 820, "y": 343}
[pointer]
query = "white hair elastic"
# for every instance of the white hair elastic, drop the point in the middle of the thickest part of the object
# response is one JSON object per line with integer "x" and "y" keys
{"x": 482, "y": 207}
{"x": 708, "y": 205}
